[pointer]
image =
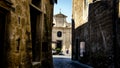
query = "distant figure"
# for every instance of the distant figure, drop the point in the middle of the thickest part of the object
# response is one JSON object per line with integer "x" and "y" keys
{"x": 67, "y": 51}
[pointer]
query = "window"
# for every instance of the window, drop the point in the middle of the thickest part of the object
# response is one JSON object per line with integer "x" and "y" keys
{"x": 37, "y": 3}
{"x": 59, "y": 34}
{"x": 82, "y": 48}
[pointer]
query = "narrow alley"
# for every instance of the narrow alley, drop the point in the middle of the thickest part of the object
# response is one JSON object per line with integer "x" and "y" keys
{"x": 61, "y": 61}
{"x": 59, "y": 33}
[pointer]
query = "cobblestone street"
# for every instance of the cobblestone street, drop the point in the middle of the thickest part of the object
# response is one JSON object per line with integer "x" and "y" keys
{"x": 66, "y": 62}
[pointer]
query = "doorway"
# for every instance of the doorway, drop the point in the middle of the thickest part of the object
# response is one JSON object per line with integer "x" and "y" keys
{"x": 34, "y": 17}
{"x": 59, "y": 46}
{"x": 2, "y": 36}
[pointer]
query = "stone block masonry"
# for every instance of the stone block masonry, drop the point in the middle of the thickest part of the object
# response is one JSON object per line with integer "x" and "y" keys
{"x": 101, "y": 34}
{"x": 97, "y": 34}
{"x": 25, "y": 24}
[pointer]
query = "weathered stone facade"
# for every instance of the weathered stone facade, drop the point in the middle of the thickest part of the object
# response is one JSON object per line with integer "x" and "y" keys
{"x": 98, "y": 34}
{"x": 101, "y": 36}
{"x": 80, "y": 7}
{"x": 25, "y": 25}
{"x": 79, "y": 17}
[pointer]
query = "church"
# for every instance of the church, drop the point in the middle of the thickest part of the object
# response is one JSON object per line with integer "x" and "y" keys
{"x": 61, "y": 35}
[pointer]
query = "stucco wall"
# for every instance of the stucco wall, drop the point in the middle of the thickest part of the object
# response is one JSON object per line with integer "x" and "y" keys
{"x": 62, "y": 25}
{"x": 66, "y": 38}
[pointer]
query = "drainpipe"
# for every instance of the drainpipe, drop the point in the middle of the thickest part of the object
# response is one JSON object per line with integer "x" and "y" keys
{"x": 73, "y": 40}
{"x": 115, "y": 20}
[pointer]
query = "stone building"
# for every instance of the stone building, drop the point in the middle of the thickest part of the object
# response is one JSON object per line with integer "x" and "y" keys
{"x": 25, "y": 33}
{"x": 82, "y": 10}
{"x": 79, "y": 17}
{"x": 99, "y": 36}
{"x": 61, "y": 34}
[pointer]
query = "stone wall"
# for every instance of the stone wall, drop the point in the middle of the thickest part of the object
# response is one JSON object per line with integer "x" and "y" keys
{"x": 80, "y": 11}
{"x": 47, "y": 61}
{"x": 98, "y": 36}
{"x": 101, "y": 33}
{"x": 18, "y": 41}
{"x": 79, "y": 17}
{"x": 17, "y": 34}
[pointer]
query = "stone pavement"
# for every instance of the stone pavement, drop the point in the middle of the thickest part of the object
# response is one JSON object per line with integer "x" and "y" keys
{"x": 66, "y": 62}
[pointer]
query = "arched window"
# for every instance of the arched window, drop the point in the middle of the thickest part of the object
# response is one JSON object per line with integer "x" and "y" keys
{"x": 59, "y": 34}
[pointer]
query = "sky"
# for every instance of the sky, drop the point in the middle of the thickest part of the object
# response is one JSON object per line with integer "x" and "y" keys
{"x": 65, "y": 6}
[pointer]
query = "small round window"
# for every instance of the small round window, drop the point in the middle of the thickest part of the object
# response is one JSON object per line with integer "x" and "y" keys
{"x": 59, "y": 34}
